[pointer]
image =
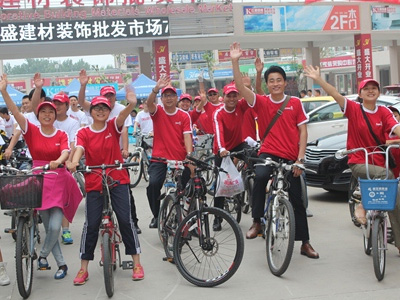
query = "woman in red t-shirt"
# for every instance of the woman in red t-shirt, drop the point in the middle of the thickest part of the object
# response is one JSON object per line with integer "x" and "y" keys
{"x": 61, "y": 195}
{"x": 100, "y": 144}
{"x": 383, "y": 124}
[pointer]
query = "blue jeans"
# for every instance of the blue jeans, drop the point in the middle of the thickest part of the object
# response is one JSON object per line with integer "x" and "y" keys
{"x": 52, "y": 219}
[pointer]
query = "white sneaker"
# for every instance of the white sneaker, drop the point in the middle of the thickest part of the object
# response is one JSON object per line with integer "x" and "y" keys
{"x": 4, "y": 279}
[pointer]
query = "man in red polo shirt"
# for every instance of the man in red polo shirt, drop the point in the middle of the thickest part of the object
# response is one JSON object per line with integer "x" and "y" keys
{"x": 172, "y": 140}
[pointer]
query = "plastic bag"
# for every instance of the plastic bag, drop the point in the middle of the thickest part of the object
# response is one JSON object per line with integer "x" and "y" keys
{"x": 230, "y": 183}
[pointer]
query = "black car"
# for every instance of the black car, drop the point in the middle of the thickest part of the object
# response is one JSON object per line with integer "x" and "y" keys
{"x": 331, "y": 174}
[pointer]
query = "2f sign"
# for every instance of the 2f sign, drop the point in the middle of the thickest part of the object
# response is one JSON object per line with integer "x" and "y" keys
{"x": 343, "y": 18}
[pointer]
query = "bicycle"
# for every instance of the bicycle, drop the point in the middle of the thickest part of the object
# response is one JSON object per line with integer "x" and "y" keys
{"x": 109, "y": 233}
{"x": 21, "y": 192}
{"x": 205, "y": 257}
{"x": 378, "y": 196}
{"x": 142, "y": 155}
{"x": 171, "y": 210}
{"x": 279, "y": 219}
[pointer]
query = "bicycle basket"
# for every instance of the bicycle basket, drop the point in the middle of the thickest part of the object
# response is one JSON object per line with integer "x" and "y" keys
{"x": 378, "y": 194}
{"x": 21, "y": 191}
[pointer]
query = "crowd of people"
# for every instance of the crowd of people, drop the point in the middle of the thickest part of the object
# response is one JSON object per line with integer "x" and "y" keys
{"x": 59, "y": 132}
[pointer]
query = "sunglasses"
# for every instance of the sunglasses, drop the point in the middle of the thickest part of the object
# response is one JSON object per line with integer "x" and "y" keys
{"x": 101, "y": 108}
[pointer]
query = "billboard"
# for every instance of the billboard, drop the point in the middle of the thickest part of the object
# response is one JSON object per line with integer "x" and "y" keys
{"x": 260, "y": 19}
{"x": 385, "y": 17}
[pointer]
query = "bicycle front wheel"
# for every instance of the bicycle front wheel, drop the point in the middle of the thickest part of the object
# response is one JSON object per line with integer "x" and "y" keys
{"x": 205, "y": 257}
{"x": 378, "y": 248}
{"x": 280, "y": 237}
{"x": 108, "y": 264}
{"x": 135, "y": 172}
{"x": 24, "y": 258}
{"x": 168, "y": 221}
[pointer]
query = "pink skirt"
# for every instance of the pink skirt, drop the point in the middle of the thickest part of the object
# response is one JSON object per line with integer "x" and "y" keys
{"x": 60, "y": 190}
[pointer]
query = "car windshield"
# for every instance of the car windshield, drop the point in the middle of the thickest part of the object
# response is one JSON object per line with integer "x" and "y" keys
{"x": 326, "y": 113}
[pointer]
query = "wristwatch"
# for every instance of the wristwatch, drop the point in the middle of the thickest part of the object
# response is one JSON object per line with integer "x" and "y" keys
{"x": 302, "y": 160}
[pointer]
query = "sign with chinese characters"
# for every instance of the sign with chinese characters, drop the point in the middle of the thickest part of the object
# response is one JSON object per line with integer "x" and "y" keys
{"x": 258, "y": 19}
{"x": 246, "y": 54}
{"x": 161, "y": 56}
{"x": 57, "y": 31}
{"x": 93, "y": 79}
{"x": 271, "y": 53}
{"x": 363, "y": 51}
{"x": 336, "y": 62}
{"x": 187, "y": 56}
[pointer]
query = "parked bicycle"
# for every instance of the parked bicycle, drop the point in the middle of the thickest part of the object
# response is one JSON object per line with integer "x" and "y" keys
{"x": 142, "y": 155}
{"x": 109, "y": 232}
{"x": 378, "y": 196}
{"x": 21, "y": 192}
{"x": 203, "y": 256}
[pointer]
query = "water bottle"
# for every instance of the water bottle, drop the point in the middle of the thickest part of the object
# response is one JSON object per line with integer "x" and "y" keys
{"x": 194, "y": 137}
{"x": 186, "y": 205}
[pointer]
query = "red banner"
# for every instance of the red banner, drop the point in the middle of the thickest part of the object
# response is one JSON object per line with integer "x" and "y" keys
{"x": 363, "y": 53}
{"x": 93, "y": 79}
{"x": 161, "y": 57}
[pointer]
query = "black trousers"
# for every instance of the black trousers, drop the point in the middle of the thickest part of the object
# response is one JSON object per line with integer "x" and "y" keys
{"x": 263, "y": 174}
{"x": 157, "y": 174}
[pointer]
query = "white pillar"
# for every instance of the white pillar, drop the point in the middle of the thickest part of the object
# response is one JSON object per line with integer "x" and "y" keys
{"x": 312, "y": 58}
{"x": 1, "y": 67}
{"x": 394, "y": 54}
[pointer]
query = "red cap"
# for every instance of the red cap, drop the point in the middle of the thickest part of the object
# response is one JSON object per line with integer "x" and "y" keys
{"x": 100, "y": 100}
{"x": 229, "y": 88}
{"x": 197, "y": 98}
{"x": 168, "y": 87}
{"x": 365, "y": 82}
{"x": 45, "y": 103}
{"x": 63, "y": 98}
{"x": 212, "y": 90}
{"x": 108, "y": 89}
{"x": 185, "y": 96}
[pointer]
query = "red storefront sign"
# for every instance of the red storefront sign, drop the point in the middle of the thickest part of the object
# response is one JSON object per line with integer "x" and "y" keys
{"x": 246, "y": 54}
{"x": 383, "y": 1}
{"x": 161, "y": 57}
{"x": 363, "y": 52}
{"x": 18, "y": 85}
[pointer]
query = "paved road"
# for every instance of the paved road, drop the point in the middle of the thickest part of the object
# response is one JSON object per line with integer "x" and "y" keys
{"x": 342, "y": 272}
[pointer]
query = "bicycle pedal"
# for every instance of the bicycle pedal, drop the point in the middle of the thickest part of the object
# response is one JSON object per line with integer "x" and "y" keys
{"x": 44, "y": 269}
{"x": 9, "y": 230}
{"x": 169, "y": 259}
{"x": 127, "y": 264}
{"x": 260, "y": 234}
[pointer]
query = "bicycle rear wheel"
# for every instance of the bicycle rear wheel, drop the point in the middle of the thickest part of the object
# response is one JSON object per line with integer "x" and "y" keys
{"x": 280, "y": 237}
{"x": 378, "y": 248}
{"x": 23, "y": 258}
{"x": 353, "y": 201}
{"x": 135, "y": 172}
{"x": 233, "y": 206}
{"x": 168, "y": 221}
{"x": 216, "y": 256}
{"x": 107, "y": 264}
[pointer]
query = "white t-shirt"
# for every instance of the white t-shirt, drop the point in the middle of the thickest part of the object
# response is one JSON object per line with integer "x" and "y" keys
{"x": 144, "y": 121}
{"x": 70, "y": 126}
{"x": 9, "y": 126}
{"x": 2, "y": 124}
{"x": 79, "y": 116}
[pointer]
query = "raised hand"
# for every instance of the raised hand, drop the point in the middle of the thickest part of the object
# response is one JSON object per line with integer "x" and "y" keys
{"x": 83, "y": 78}
{"x": 246, "y": 80}
{"x": 130, "y": 95}
{"x": 259, "y": 65}
{"x": 3, "y": 82}
{"x": 38, "y": 80}
{"x": 235, "y": 51}
{"x": 163, "y": 82}
{"x": 312, "y": 72}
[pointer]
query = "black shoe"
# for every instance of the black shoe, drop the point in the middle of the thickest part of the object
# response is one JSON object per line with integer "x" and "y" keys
{"x": 138, "y": 230}
{"x": 153, "y": 223}
{"x": 217, "y": 224}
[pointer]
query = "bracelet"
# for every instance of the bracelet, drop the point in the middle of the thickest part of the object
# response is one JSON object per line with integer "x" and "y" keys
{"x": 154, "y": 91}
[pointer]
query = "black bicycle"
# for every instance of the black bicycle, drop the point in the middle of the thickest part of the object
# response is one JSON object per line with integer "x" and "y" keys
{"x": 203, "y": 256}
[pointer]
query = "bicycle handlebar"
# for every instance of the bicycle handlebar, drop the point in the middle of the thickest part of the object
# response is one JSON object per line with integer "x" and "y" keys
{"x": 46, "y": 167}
{"x": 203, "y": 165}
{"x": 117, "y": 166}
{"x": 174, "y": 164}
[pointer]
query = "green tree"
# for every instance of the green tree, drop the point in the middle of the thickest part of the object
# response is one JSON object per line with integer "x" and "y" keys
{"x": 209, "y": 58}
